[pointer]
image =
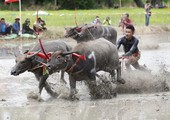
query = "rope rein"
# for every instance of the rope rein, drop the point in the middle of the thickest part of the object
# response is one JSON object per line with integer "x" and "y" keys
{"x": 91, "y": 33}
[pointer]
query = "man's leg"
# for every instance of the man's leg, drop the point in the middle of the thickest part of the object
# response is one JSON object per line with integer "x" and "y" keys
{"x": 136, "y": 65}
{"x": 127, "y": 64}
{"x": 132, "y": 60}
{"x": 8, "y": 30}
{"x": 147, "y": 19}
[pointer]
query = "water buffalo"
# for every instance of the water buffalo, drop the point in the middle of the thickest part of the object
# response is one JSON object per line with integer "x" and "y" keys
{"x": 86, "y": 32}
{"x": 33, "y": 61}
{"x": 85, "y": 59}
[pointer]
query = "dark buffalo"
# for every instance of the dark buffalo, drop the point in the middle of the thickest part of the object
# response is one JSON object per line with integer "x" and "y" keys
{"x": 88, "y": 32}
{"x": 33, "y": 61}
{"x": 85, "y": 60}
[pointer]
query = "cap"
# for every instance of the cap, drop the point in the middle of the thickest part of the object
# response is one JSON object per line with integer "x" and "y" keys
{"x": 17, "y": 18}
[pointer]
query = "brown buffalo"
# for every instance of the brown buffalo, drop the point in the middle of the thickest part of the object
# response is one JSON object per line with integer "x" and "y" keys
{"x": 33, "y": 61}
{"x": 86, "y": 32}
{"x": 85, "y": 60}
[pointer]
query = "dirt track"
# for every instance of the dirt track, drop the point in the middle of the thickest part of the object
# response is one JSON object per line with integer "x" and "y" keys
{"x": 143, "y": 97}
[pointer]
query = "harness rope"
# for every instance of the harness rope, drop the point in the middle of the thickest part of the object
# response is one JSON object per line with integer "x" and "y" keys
{"x": 91, "y": 33}
{"x": 38, "y": 32}
{"x": 70, "y": 70}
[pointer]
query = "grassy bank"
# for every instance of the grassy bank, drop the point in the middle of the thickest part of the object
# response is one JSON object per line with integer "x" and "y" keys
{"x": 62, "y": 18}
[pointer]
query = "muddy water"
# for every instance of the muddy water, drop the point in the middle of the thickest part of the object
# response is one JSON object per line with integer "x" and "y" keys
{"x": 142, "y": 98}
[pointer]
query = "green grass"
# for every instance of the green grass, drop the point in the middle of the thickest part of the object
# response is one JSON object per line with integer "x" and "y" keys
{"x": 63, "y": 18}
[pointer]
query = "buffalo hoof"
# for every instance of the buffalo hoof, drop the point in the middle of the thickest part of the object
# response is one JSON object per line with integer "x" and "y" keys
{"x": 121, "y": 81}
{"x": 63, "y": 81}
{"x": 55, "y": 95}
{"x": 40, "y": 99}
{"x": 114, "y": 94}
{"x": 73, "y": 98}
{"x": 35, "y": 96}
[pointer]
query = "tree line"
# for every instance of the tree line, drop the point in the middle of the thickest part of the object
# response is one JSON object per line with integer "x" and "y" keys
{"x": 85, "y": 4}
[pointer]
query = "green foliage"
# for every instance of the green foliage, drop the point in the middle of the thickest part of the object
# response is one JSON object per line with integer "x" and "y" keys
{"x": 78, "y": 4}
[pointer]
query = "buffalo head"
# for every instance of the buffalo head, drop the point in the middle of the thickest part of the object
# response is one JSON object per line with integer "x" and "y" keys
{"x": 73, "y": 32}
{"x": 88, "y": 31}
{"x": 23, "y": 63}
{"x": 84, "y": 32}
{"x": 59, "y": 60}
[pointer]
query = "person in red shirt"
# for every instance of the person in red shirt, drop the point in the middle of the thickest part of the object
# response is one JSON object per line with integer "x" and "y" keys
{"x": 125, "y": 22}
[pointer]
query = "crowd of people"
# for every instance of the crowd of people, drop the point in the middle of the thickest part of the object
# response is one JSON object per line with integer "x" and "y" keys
{"x": 106, "y": 21}
{"x": 125, "y": 18}
{"x": 7, "y": 28}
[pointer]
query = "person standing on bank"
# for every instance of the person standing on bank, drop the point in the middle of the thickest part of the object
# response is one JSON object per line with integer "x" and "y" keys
{"x": 130, "y": 44}
{"x": 148, "y": 12}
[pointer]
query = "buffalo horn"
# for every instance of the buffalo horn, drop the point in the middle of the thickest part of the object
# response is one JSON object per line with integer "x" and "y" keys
{"x": 29, "y": 56}
{"x": 67, "y": 53}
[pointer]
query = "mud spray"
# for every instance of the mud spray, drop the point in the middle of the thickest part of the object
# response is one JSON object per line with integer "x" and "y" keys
{"x": 145, "y": 82}
{"x": 136, "y": 82}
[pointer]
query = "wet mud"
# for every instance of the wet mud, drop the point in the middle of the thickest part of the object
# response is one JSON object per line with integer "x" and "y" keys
{"x": 145, "y": 96}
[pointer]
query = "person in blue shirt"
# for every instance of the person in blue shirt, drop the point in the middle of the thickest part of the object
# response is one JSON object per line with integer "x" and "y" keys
{"x": 4, "y": 27}
{"x": 148, "y": 6}
{"x": 16, "y": 26}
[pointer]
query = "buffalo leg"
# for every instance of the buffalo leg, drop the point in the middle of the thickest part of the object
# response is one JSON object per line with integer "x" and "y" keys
{"x": 92, "y": 85}
{"x": 112, "y": 73}
{"x": 49, "y": 90}
{"x": 119, "y": 78}
{"x": 72, "y": 87}
{"x": 44, "y": 84}
{"x": 62, "y": 77}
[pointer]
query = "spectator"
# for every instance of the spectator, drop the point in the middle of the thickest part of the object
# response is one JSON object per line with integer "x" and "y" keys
{"x": 107, "y": 21}
{"x": 5, "y": 28}
{"x": 148, "y": 12}
{"x": 39, "y": 25}
{"x": 16, "y": 26}
{"x": 120, "y": 21}
{"x": 26, "y": 27}
{"x": 125, "y": 22}
{"x": 97, "y": 21}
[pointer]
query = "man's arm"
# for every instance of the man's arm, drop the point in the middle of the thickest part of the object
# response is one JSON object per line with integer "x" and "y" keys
{"x": 14, "y": 26}
{"x": 133, "y": 48}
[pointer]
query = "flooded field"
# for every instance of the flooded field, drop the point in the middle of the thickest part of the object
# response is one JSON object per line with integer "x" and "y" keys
{"x": 145, "y": 96}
